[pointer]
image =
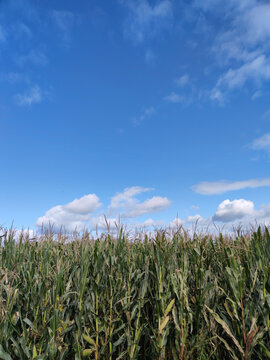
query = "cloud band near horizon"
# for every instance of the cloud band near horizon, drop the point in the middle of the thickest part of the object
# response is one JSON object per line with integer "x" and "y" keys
{"x": 222, "y": 186}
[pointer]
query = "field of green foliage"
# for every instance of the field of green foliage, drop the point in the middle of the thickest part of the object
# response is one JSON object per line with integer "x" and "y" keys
{"x": 163, "y": 297}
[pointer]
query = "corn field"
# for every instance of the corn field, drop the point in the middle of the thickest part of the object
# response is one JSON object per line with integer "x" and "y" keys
{"x": 166, "y": 296}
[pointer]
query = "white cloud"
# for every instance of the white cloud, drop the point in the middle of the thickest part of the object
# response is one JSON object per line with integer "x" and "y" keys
{"x": 149, "y": 223}
{"x": 74, "y": 215}
{"x": 183, "y": 80}
{"x": 145, "y": 19}
{"x": 220, "y": 187}
{"x": 152, "y": 223}
{"x": 176, "y": 223}
{"x": 190, "y": 220}
{"x": 175, "y": 98}
{"x": 26, "y": 233}
{"x": 30, "y": 97}
{"x": 80, "y": 213}
{"x": 263, "y": 214}
{"x": 86, "y": 204}
{"x": 258, "y": 21}
{"x": 103, "y": 223}
{"x": 194, "y": 218}
{"x": 256, "y": 70}
{"x": 256, "y": 95}
{"x": 155, "y": 204}
{"x": 241, "y": 46}
{"x": 233, "y": 210}
{"x": 128, "y": 206}
{"x": 125, "y": 198}
{"x": 217, "y": 95}
{"x": 262, "y": 143}
{"x": 148, "y": 112}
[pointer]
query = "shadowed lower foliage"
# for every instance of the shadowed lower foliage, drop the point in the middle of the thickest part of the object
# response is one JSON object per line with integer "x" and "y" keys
{"x": 162, "y": 297}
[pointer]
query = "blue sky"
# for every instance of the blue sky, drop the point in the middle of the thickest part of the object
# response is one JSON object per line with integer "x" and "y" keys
{"x": 144, "y": 109}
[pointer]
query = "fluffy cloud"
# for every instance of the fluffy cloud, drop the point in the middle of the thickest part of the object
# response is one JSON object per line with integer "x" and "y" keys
{"x": 85, "y": 205}
{"x": 233, "y": 210}
{"x": 128, "y": 206}
{"x": 146, "y": 19}
{"x": 74, "y": 215}
{"x": 155, "y": 204}
{"x": 176, "y": 223}
{"x": 125, "y": 198}
{"x": 30, "y": 97}
{"x": 81, "y": 213}
{"x": 220, "y": 187}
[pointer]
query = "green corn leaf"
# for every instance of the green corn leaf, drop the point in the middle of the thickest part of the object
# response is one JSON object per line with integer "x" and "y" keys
{"x": 4, "y": 355}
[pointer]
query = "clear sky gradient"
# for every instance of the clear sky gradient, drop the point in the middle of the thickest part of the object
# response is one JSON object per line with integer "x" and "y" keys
{"x": 147, "y": 109}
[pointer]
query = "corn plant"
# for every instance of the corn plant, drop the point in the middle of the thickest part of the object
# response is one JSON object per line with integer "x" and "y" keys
{"x": 160, "y": 296}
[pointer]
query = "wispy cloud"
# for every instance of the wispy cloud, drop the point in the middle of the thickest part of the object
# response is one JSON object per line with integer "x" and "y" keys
{"x": 266, "y": 115}
{"x": 30, "y": 97}
{"x": 176, "y": 98}
{"x": 188, "y": 94}
{"x": 148, "y": 112}
{"x": 216, "y": 95}
{"x": 256, "y": 70}
{"x": 64, "y": 20}
{"x": 34, "y": 57}
{"x": 220, "y": 187}
{"x": 262, "y": 143}
{"x": 13, "y": 77}
{"x": 21, "y": 31}
{"x": 241, "y": 47}
{"x": 257, "y": 94}
{"x": 146, "y": 20}
{"x": 182, "y": 80}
